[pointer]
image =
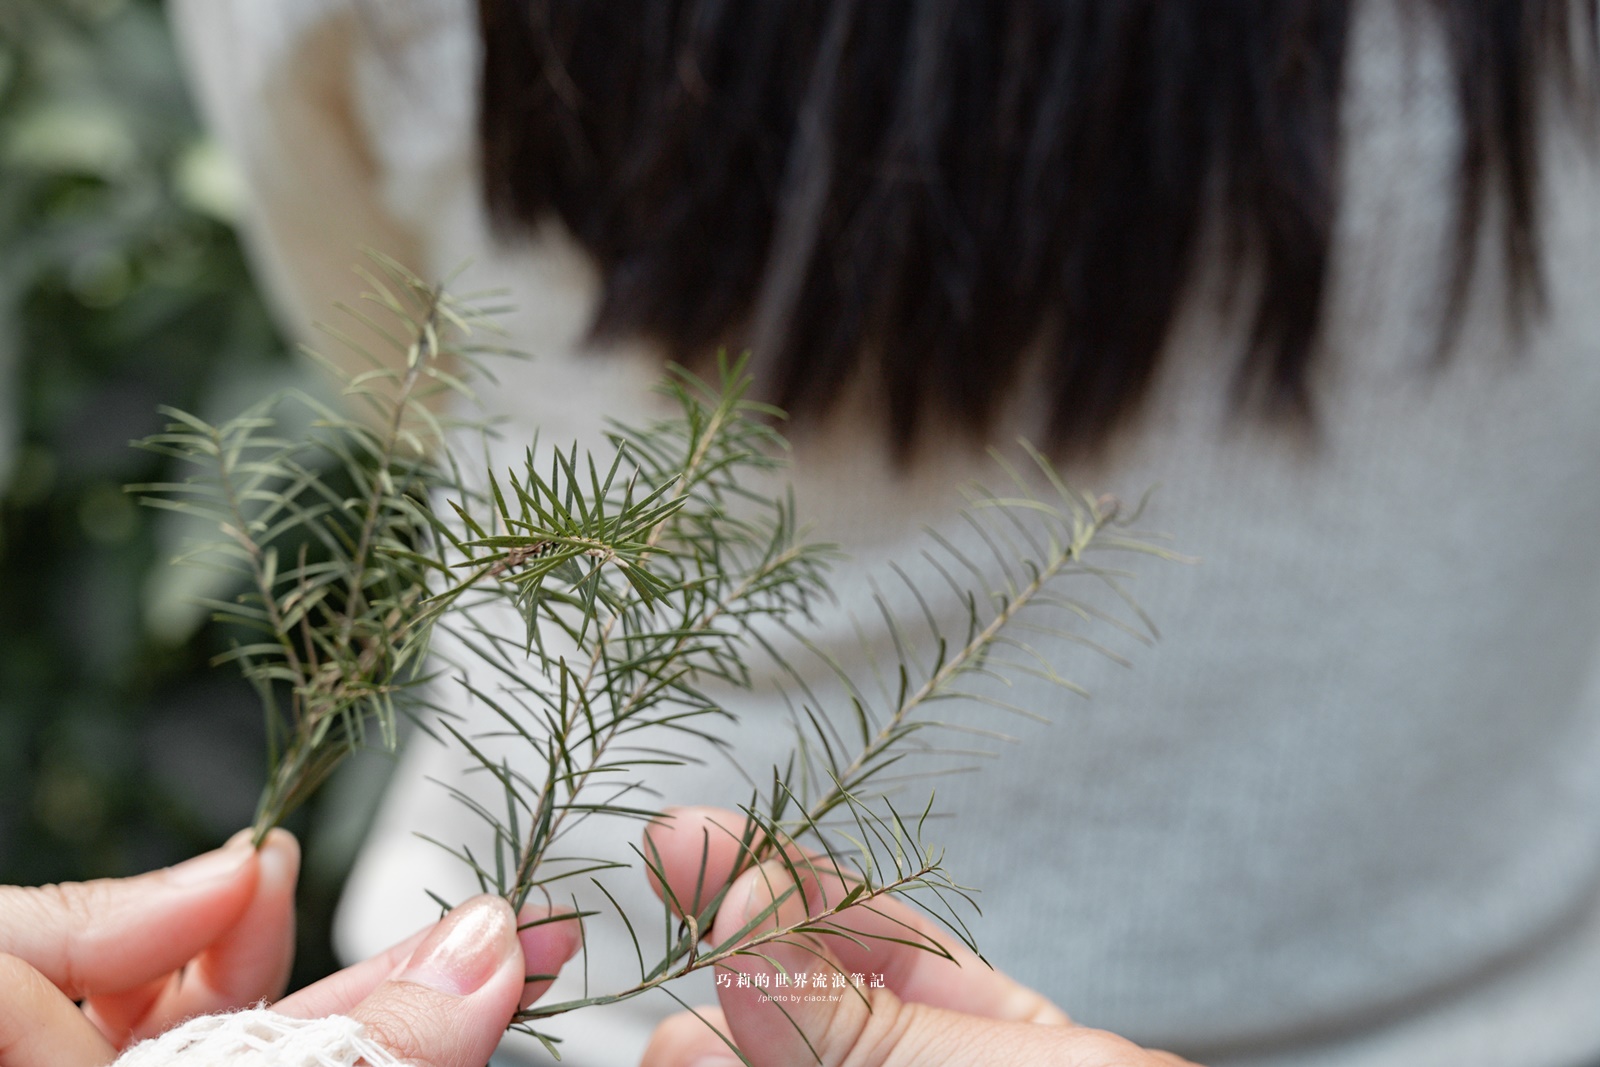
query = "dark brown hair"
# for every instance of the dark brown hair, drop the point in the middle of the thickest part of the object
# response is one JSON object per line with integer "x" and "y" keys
{"x": 921, "y": 191}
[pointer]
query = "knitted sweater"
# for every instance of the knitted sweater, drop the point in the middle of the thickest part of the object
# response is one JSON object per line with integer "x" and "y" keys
{"x": 1346, "y": 811}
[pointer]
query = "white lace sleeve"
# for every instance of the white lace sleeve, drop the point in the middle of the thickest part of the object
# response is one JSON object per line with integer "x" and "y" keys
{"x": 260, "y": 1038}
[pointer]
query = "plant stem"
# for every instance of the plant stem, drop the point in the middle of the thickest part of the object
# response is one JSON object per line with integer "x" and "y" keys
{"x": 720, "y": 958}
{"x": 953, "y": 667}
{"x": 548, "y": 820}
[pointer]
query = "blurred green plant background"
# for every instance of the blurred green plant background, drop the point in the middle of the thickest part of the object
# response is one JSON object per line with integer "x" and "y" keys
{"x": 122, "y": 286}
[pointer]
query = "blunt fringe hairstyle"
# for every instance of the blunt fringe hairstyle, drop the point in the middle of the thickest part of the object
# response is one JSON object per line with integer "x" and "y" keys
{"x": 921, "y": 194}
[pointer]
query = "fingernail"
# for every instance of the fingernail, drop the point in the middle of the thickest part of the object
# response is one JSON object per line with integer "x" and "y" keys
{"x": 214, "y": 866}
{"x": 280, "y": 859}
{"x": 465, "y": 948}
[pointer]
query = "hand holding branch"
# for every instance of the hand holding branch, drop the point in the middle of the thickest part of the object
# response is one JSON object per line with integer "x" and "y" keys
{"x": 933, "y": 1007}
{"x": 216, "y": 933}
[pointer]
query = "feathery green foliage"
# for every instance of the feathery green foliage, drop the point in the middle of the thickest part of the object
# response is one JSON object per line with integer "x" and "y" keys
{"x": 646, "y": 584}
{"x": 727, "y": 579}
{"x": 327, "y": 532}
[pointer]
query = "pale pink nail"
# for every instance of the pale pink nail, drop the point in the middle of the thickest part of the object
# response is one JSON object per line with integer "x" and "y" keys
{"x": 459, "y": 955}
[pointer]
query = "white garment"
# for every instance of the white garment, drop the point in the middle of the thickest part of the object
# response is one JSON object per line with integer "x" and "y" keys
{"x": 260, "y": 1038}
{"x": 1347, "y": 812}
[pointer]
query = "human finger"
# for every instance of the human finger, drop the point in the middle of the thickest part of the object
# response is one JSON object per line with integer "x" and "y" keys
{"x": 114, "y": 935}
{"x": 547, "y": 941}
{"x": 697, "y": 1038}
{"x": 40, "y": 1026}
{"x": 812, "y": 1023}
{"x": 693, "y": 852}
{"x": 247, "y": 963}
{"x": 449, "y": 1005}
{"x": 341, "y": 991}
{"x": 549, "y": 938}
{"x": 879, "y": 939}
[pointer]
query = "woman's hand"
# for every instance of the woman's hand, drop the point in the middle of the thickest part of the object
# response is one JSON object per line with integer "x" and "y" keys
{"x": 217, "y": 933}
{"x": 929, "y": 1011}
{"x": 443, "y": 997}
{"x": 144, "y": 953}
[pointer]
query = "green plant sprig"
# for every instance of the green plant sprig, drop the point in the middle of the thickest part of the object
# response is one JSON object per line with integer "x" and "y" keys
{"x": 324, "y": 530}
{"x": 724, "y": 584}
{"x": 641, "y": 647}
{"x": 603, "y": 611}
{"x": 880, "y": 841}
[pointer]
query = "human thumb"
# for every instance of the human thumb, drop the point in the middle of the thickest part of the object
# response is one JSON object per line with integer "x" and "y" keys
{"x": 786, "y": 1000}
{"x": 449, "y": 1005}
{"x": 783, "y": 1009}
{"x": 810, "y": 1020}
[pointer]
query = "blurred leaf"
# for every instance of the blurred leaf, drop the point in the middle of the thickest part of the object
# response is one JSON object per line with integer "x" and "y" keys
{"x": 122, "y": 285}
